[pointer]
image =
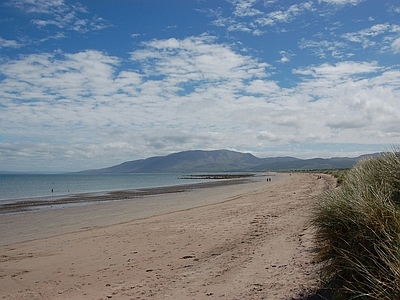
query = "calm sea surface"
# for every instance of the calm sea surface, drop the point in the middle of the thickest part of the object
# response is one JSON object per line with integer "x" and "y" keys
{"x": 19, "y": 186}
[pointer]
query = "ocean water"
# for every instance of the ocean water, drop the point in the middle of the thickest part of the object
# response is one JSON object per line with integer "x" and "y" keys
{"x": 22, "y": 186}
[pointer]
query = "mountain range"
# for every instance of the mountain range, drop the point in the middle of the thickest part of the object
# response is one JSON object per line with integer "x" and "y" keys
{"x": 199, "y": 161}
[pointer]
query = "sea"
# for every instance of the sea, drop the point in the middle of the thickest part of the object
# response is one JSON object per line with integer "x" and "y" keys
{"x": 19, "y": 187}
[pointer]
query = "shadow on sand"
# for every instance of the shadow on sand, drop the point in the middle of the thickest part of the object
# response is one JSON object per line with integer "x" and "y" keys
{"x": 319, "y": 295}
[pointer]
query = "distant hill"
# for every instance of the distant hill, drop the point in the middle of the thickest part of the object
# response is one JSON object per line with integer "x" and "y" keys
{"x": 198, "y": 161}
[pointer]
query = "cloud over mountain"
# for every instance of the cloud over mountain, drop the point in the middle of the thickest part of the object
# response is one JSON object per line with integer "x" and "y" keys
{"x": 94, "y": 85}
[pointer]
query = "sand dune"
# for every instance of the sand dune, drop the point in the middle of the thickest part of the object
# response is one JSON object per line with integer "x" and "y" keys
{"x": 244, "y": 241}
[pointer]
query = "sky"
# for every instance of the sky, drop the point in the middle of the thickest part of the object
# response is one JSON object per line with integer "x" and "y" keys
{"x": 93, "y": 83}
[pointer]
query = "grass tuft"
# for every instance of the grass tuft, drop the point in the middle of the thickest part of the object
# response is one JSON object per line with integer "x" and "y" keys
{"x": 358, "y": 231}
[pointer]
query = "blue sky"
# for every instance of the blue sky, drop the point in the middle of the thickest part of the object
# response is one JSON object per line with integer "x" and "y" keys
{"x": 91, "y": 84}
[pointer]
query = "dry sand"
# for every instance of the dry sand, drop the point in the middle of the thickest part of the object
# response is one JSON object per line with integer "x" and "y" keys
{"x": 243, "y": 241}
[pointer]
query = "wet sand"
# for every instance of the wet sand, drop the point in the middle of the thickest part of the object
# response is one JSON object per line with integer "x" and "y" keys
{"x": 21, "y": 205}
{"x": 248, "y": 240}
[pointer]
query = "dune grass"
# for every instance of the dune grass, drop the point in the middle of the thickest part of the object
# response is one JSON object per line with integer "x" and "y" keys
{"x": 339, "y": 174}
{"x": 358, "y": 231}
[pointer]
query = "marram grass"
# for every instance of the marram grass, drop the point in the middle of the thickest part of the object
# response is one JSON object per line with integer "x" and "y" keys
{"x": 358, "y": 231}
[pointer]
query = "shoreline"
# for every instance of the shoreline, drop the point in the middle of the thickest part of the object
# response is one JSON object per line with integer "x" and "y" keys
{"x": 115, "y": 207}
{"x": 30, "y": 204}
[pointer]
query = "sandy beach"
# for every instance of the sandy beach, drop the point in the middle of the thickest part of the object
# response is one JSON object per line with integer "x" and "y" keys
{"x": 249, "y": 240}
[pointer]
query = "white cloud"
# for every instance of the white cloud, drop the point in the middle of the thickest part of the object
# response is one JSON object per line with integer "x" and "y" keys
{"x": 355, "y": 107}
{"x": 266, "y": 88}
{"x": 60, "y": 14}
{"x": 369, "y": 37}
{"x": 81, "y": 100}
{"x": 196, "y": 59}
{"x": 271, "y": 137}
{"x": 191, "y": 93}
{"x": 63, "y": 76}
{"x": 39, "y": 6}
{"x": 240, "y": 27}
{"x": 325, "y": 48}
{"x": 246, "y": 18}
{"x": 244, "y": 8}
{"x": 381, "y": 37}
{"x": 284, "y": 16}
{"x": 341, "y": 2}
{"x": 285, "y": 56}
{"x": 258, "y": 32}
{"x": 341, "y": 70}
{"x": 396, "y": 46}
{"x": 363, "y": 35}
{"x": 9, "y": 43}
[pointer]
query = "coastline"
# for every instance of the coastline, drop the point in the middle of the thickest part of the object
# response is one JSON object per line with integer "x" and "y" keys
{"x": 243, "y": 241}
{"x": 44, "y": 218}
{"x": 29, "y": 204}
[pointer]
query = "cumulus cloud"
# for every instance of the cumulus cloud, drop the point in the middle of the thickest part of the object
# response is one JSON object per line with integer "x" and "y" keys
{"x": 360, "y": 106}
{"x": 190, "y": 93}
{"x": 81, "y": 99}
{"x": 196, "y": 59}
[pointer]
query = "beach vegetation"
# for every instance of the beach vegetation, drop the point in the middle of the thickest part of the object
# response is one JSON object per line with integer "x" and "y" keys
{"x": 357, "y": 231}
{"x": 339, "y": 174}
